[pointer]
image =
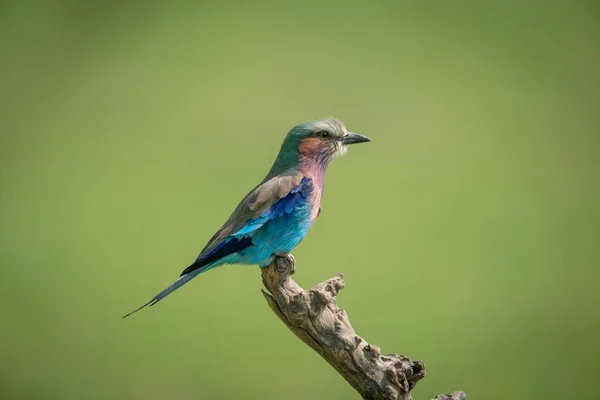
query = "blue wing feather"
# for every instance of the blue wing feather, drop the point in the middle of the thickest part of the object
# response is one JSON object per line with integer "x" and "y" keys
{"x": 239, "y": 240}
{"x": 228, "y": 246}
{"x": 242, "y": 239}
{"x": 286, "y": 205}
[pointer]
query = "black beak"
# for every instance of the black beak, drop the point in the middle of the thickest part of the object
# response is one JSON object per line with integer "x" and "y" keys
{"x": 352, "y": 138}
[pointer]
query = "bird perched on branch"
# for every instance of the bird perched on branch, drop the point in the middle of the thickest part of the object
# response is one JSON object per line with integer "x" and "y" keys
{"x": 275, "y": 216}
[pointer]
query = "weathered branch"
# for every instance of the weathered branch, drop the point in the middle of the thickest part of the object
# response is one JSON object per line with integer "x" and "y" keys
{"x": 313, "y": 316}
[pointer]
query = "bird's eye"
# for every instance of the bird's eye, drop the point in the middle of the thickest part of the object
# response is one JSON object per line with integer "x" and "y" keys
{"x": 323, "y": 134}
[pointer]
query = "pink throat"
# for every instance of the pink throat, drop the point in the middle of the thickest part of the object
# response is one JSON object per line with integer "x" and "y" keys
{"x": 314, "y": 169}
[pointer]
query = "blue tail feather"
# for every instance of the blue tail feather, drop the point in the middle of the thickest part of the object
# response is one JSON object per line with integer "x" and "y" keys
{"x": 171, "y": 288}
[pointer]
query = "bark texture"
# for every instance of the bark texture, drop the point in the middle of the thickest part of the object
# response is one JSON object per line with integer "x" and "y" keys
{"x": 313, "y": 316}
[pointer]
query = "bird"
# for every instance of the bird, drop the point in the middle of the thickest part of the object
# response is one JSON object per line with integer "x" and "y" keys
{"x": 273, "y": 218}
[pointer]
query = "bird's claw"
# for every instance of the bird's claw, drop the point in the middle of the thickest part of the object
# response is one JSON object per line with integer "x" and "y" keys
{"x": 286, "y": 262}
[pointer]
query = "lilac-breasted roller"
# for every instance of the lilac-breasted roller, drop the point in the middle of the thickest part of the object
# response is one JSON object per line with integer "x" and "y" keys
{"x": 275, "y": 216}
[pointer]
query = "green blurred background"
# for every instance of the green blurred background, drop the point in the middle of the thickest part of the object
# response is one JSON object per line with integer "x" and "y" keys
{"x": 467, "y": 230}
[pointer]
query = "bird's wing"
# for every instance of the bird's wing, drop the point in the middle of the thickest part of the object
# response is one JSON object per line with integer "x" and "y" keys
{"x": 273, "y": 198}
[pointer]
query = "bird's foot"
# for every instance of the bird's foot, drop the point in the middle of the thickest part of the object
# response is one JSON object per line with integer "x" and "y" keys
{"x": 286, "y": 262}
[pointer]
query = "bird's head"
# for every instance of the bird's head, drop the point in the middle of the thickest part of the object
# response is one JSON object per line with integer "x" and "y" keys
{"x": 316, "y": 142}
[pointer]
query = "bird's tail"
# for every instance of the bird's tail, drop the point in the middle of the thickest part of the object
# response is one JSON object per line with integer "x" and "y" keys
{"x": 183, "y": 279}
